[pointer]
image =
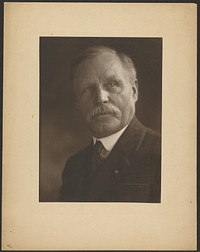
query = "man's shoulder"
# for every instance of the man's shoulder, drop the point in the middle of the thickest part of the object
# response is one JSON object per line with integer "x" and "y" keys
{"x": 153, "y": 135}
{"x": 144, "y": 154}
{"x": 80, "y": 154}
{"x": 138, "y": 137}
{"x": 151, "y": 142}
{"x": 75, "y": 163}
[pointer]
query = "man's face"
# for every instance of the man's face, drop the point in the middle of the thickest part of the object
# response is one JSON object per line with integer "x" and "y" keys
{"x": 105, "y": 95}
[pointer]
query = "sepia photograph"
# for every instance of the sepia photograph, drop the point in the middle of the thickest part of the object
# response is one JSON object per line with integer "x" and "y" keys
{"x": 100, "y": 119}
{"x": 99, "y": 126}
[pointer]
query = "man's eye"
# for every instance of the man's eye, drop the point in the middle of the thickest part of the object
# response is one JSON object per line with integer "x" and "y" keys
{"x": 88, "y": 90}
{"x": 113, "y": 86}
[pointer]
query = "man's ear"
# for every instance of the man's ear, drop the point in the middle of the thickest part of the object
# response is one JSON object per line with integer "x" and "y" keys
{"x": 135, "y": 89}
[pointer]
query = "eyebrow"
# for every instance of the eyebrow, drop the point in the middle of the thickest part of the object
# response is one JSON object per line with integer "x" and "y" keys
{"x": 115, "y": 78}
{"x": 111, "y": 77}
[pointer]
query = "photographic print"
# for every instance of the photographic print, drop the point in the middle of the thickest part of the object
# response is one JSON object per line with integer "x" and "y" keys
{"x": 99, "y": 126}
{"x": 131, "y": 171}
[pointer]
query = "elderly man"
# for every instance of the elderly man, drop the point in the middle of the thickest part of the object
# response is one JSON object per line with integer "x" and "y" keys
{"x": 122, "y": 163}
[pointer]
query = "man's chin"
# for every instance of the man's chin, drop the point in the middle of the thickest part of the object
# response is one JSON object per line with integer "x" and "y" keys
{"x": 104, "y": 125}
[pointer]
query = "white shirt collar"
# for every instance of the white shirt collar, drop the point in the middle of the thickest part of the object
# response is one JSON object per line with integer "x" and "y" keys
{"x": 109, "y": 141}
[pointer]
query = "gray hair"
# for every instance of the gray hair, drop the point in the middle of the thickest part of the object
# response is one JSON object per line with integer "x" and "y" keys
{"x": 90, "y": 52}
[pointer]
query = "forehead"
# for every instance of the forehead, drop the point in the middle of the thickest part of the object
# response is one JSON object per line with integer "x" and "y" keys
{"x": 99, "y": 66}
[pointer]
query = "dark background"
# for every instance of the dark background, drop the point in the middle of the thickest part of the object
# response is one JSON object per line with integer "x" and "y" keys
{"x": 62, "y": 132}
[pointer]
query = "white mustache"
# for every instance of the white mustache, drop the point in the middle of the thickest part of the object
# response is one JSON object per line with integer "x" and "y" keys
{"x": 102, "y": 110}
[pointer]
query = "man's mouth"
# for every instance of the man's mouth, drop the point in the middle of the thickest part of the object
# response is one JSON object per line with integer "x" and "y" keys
{"x": 103, "y": 114}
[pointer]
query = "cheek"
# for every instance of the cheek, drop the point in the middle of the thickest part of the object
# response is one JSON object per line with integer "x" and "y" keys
{"x": 120, "y": 100}
{"x": 125, "y": 104}
{"x": 84, "y": 106}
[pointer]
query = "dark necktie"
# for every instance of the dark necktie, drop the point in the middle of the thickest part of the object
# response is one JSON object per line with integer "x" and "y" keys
{"x": 98, "y": 156}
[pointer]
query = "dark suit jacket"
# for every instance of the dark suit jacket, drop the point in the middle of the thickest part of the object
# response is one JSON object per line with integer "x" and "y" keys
{"x": 131, "y": 173}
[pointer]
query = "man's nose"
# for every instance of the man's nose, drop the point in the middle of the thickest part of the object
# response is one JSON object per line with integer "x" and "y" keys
{"x": 102, "y": 95}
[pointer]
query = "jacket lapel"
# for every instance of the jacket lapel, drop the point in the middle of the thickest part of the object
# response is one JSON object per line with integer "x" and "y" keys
{"x": 118, "y": 160}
